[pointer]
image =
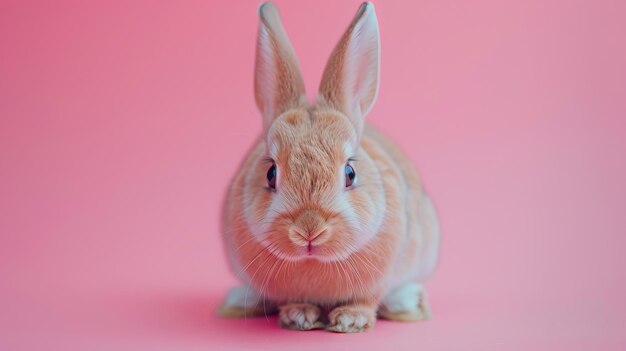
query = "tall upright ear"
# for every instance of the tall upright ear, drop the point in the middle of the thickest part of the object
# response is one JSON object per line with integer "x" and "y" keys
{"x": 278, "y": 84}
{"x": 350, "y": 80}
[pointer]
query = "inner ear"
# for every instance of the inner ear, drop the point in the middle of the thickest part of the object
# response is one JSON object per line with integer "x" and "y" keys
{"x": 350, "y": 80}
{"x": 278, "y": 83}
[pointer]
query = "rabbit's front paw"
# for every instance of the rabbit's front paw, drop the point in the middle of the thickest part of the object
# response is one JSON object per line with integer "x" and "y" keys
{"x": 352, "y": 319}
{"x": 300, "y": 316}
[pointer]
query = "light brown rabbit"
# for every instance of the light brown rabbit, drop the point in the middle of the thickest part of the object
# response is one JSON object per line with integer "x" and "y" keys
{"x": 326, "y": 220}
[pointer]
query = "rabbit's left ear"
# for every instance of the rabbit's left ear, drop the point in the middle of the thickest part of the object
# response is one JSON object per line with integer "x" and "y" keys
{"x": 350, "y": 80}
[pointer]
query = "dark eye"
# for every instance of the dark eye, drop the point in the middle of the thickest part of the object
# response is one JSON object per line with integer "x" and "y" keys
{"x": 350, "y": 175}
{"x": 271, "y": 177}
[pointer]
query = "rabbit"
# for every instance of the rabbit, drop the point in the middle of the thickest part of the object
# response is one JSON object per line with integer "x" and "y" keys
{"x": 326, "y": 221}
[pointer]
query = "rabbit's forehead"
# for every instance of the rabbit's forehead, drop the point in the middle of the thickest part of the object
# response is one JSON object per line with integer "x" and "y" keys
{"x": 311, "y": 136}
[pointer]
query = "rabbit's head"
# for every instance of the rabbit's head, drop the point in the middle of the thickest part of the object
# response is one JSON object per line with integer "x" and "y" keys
{"x": 315, "y": 194}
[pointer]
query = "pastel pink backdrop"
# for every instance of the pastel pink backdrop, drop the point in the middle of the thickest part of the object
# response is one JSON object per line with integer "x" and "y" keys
{"x": 122, "y": 122}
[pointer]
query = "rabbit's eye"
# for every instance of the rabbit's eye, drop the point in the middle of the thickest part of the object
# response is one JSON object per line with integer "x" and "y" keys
{"x": 350, "y": 175}
{"x": 271, "y": 177}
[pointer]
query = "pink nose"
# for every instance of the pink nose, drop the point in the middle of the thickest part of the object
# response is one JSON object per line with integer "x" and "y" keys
{"x": 309, "y": 228}
{"x": 308, "y": 235}
{"x": 305, "y": 238}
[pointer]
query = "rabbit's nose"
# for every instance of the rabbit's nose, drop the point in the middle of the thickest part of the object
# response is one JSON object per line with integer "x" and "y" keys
{"x": 307, "y": 239}
{"x": 308, "y": 226}
{"x": 310, "y": 221}
{"x": 308, "y": 236}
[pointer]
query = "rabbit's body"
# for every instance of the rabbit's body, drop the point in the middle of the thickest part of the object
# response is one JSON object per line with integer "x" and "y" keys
{"x": 405, "y": 250}
{"x": 325, "y": 211}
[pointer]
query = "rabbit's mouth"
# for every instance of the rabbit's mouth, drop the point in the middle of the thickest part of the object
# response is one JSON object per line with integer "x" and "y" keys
{"x": 309, "y": 240}
{"x": 311, "y": 250}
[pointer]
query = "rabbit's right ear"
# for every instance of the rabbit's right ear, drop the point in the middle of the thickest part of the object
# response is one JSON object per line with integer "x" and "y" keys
{"x": 278, "y": 84}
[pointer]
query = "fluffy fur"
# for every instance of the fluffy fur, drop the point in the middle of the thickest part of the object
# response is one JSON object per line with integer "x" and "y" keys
{"x": 322, "y": 254}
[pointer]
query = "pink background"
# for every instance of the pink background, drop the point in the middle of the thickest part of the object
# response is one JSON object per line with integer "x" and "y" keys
{"x": 122, "y": 122}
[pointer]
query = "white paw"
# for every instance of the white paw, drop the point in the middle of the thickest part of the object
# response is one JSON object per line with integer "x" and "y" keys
{"x": 351, "y": 319}
{"x": 300, "y": 316}
{"x": 241, "y": 302}
{"x": 406, "y": 303}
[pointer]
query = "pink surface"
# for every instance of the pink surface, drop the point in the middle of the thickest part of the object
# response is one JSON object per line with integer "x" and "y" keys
{"x": 122, "y": 122}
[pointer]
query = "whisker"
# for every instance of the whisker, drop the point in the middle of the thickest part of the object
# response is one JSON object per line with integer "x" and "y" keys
{"x": 252, "y": 278}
